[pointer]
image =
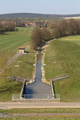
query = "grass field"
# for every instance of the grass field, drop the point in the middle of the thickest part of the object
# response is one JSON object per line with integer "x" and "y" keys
{"x": 64, "y": 56}
{"x": 75, "y": 18}
{"x": 13, "y": 40}
{"x": 42, "y": 110}
{"x": 44, "y": 118}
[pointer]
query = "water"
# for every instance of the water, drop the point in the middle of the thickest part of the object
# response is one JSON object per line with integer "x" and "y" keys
{"x": 37, "y": 87}
{"x": 38, "y": 68}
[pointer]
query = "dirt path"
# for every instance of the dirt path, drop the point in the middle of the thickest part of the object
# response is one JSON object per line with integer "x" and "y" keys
{"x": 40, "y": 104}
{"x": 13, "y": 58}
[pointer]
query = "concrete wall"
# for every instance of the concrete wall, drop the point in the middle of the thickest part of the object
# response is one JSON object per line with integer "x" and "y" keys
{"x": 23, "y": 90}
{"x": 21, "y": 50}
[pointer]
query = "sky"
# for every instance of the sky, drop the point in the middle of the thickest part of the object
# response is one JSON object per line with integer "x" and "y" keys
{"x": 40, "y": 6}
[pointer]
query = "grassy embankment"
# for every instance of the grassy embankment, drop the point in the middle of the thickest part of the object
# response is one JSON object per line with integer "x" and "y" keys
{"x": 66, "y": 53}
{"x": 45, "y": 117}
{"x": 13, "y": 40}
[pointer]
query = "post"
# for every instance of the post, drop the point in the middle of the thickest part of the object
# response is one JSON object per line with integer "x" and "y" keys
{"x": 47, "y": 96}
{"x": 36, "y": 96}
{"x": 5, "y": 116}
{"x": 59, "y": 96}
{"x": 13, "y": 97}
{"x": 1, "y": 115}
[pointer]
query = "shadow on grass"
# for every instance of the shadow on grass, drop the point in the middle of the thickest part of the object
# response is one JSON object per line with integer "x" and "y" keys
{"x": 53, "y": 87}
{"x": 26, "y": 51}
{"x": 11, "y": 88}
{"x": 3, "y": 33}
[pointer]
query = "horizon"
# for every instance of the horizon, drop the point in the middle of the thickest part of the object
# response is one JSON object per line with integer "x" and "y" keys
{"x": 40, "y": 13}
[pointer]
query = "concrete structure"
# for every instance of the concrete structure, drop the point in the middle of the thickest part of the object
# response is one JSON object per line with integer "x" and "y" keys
{"x": 21, "y": 49}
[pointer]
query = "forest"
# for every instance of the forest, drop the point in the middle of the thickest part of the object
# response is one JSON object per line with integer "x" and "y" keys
{"x": 33, "y": 15}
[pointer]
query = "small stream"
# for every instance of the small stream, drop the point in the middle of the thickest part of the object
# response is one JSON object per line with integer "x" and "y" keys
{"x": 38, "y": 88}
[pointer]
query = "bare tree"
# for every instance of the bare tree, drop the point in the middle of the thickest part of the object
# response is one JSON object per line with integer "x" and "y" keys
{"x": 36, "y": 38}
{"x": 46, "y": 34}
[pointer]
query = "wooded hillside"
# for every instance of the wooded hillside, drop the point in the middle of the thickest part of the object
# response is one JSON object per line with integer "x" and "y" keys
{"x": 32, "y": 15}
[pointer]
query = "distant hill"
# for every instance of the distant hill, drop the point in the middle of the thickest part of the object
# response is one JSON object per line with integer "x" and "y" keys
{"x": 35, "y": 15}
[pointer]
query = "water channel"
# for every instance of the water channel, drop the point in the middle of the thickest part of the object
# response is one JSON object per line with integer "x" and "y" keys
{"x": 38, "y": 89}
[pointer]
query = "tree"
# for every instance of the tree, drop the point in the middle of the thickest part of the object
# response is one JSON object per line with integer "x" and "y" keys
{"x": 63, "y": 27}
{"x": 52, "y": 24}
{"x": 57, "y": 32}
{"x": 46, "y": 34}
{"x": 73, "y": 27}
{"x": 1, "y": 27}
{"x": 36, "y": 38}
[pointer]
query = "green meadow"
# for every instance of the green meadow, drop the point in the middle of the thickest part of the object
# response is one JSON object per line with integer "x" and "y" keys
{"x": 42, "y": 110}
{"x": 64, "y": 57}
{"x": 11, "y": 41}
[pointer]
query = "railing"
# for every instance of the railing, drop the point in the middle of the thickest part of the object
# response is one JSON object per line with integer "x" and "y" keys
{"x": 17, "y": 78}
{"x": 60, "y": 77}
{"x": 36, "y": 96}
{"x": 5, "y": 115}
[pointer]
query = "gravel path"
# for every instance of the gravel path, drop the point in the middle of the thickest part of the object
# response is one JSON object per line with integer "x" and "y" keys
{"x": 40, "y": 104}
{"x": 13, "y": 58}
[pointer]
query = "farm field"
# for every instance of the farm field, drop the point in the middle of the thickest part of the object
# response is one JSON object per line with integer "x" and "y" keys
{"x": 64, "y": 57}
{"x": 11, "y": 41}
{"x": 15, "y": 39}
{"x": 76, "y": 18}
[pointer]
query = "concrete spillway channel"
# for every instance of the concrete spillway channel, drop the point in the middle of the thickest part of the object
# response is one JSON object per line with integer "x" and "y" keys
{"x": 37, "y": 89}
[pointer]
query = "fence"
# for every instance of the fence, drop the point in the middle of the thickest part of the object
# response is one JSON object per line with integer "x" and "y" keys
{"x": 5, "y": 115}
{"x": 36, "y": 96}
{"x": 3, "y": 107}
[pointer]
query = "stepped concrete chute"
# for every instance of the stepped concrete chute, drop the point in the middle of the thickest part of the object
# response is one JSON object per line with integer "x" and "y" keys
{"x": 38, "y": 88}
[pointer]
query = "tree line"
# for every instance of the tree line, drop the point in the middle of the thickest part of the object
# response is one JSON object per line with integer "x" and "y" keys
{"x": 7, "y": 26}
{"x": 39, "y": 36}
{"x": 66, "y": 28}
{"x": 54, "y": 30}
{"x": 34, "y": 15}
